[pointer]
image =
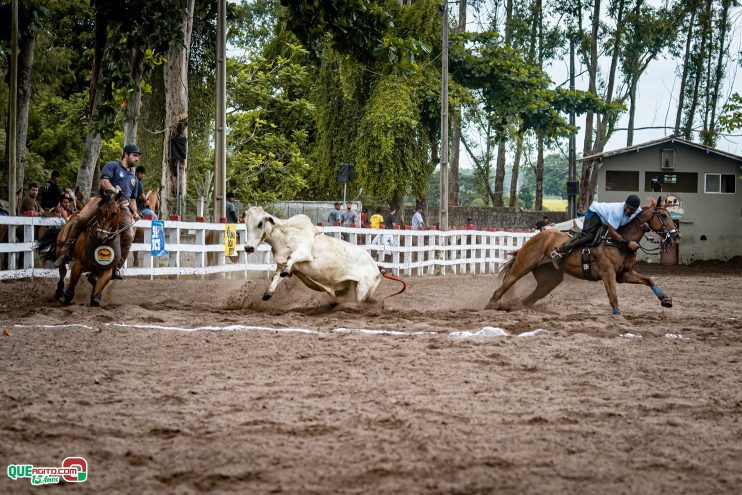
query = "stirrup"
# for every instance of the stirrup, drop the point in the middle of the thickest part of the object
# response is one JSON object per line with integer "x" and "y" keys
{"x": 556, "y": 257}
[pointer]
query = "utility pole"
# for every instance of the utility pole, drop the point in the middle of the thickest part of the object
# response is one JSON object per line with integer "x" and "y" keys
{"x": 572, "y": 184}
{"x": 220, "y": 143}
{"x": 12, "y": 111}
{"x": 443, "y": 206}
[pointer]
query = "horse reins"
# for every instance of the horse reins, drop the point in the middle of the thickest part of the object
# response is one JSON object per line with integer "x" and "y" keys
{"x": 665, "y": 232}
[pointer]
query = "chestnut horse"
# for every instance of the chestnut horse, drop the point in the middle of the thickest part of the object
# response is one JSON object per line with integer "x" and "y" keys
{"x": 608, "y": 262}
{"x": 102, "y": 231}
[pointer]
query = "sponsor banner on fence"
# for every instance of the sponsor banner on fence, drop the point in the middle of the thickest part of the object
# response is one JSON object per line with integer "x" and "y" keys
{"x": 158, "y": 238}
{"x": 230, "y": 239}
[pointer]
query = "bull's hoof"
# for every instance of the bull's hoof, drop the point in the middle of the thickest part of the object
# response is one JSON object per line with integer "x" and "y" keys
{"x": 267, "y": 296}
{"x": 666, "y": 302}
{"x": 95, "y": 301}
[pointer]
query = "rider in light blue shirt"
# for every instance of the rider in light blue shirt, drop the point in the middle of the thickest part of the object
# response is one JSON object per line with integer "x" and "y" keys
{"x": 612, "y": 215}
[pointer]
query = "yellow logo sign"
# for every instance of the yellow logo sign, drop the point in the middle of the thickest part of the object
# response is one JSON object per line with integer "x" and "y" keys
{"x": 230, "y": 240}
{"x": 104, "y": 255}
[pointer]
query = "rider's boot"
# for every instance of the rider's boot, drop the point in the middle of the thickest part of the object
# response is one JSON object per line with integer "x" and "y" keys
{"x": 65, "y": 254}
{"x": 558, "y": 254}
{"x": 126, "y": 240}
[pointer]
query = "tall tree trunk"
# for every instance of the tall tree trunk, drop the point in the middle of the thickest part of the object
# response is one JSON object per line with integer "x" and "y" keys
{"x": 453, "y": 176}
{"x": 175, "y": 73}
{"x": 684, "y": 77}
{"x": 690, "y": 117}
{"x": 719, "y": 75}
{"x": 591, "y": 62}
{"x": 632, "y": 111}
{"x": 499, "y": 173}
{"x": 91, "y": 150}
{"x": 134, "y": 102}
{"x": 539, "y": 199}
{"x": 516, "y": 172}
{"x": 497, "y": 200}
{"x": 25, "y": 67}
{"x": 707, "y": 83}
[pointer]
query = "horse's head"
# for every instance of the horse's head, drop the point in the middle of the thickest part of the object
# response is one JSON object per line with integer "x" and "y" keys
{"x": 108, "y": 216}
{"x": 658, "y": 220}
{"x": 153, "y": 200}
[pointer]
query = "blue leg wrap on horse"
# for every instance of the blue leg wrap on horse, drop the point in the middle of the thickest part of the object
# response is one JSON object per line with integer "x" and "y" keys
{"x": 615, "y": 312}
{"x": 658, "y": 291}
{"x": 70, "y": 293}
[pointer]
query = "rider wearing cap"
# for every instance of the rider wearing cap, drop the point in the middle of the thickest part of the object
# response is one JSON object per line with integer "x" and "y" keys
{"x": 612, "y": 215}
{"x": 116, "y": 176}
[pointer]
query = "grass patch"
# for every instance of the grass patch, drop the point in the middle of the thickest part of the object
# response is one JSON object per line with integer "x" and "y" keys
{"x": 555, "y": 204}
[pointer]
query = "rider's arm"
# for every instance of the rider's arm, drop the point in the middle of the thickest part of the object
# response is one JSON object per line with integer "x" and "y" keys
{"x": 614, "y": 234}
{"x": 106, "y": 184}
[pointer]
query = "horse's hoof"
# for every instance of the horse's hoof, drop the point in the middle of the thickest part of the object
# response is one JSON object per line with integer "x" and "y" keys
{"x": 267, "y": 296}
{"x": 58, "y": 294}
{"x": 666, "y": 302}
{"x": 95, "y": 302}
{"x": 68, "y": 295}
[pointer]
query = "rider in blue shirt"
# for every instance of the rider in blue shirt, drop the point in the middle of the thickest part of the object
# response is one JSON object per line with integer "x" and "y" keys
{"x": 612, "y": 215}
{"x": 115, "y": 176}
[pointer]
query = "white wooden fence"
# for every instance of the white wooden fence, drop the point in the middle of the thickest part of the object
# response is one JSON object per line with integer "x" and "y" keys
{"x": 401, "y": 252}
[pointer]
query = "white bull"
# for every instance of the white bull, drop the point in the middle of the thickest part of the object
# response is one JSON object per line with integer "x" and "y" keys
{"x": 322, "y": 262}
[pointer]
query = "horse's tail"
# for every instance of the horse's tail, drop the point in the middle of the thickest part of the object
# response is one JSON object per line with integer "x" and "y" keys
{"x": 46, "y": 246}
{"x": 404, "y": 284}
{"x": 505, "y": 270}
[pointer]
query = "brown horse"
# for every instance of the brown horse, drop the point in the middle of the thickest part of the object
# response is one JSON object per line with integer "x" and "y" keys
{"x": 96, "y": 250}
{"x": 608, "y": 262}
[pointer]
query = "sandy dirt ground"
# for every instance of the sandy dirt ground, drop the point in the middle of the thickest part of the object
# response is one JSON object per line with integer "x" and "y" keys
{"x": 647, "y": 402}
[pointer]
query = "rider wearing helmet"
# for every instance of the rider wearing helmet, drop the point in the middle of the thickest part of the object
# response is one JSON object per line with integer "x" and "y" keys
{"x": 612, "y": 215}
{"x": 116, "y": 176}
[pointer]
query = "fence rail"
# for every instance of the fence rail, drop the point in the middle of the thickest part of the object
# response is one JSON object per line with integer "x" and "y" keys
{"x": 197, "y": 249}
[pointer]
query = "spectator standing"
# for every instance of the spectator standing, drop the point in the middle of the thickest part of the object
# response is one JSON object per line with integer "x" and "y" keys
{"x": 376, "y": 219}
{"x": 230, "y": 208}
{"x": 51, "y": 193}
{"x": 389, "y": 218}
{"x": 417, "y": 219}
{"x": 335, "y": 215}
{"x": 349, "y": 217}
{"x": 64, "y": 209}
{"x": 30, "y": 201}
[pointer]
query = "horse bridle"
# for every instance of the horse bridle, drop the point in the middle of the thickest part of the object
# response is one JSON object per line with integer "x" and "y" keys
{"x": 110, "y": 234}
{"x": 665, "y": 233}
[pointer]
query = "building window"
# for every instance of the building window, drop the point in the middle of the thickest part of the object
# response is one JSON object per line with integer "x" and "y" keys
{"x": 616, "y": 180}
{"x": 685, "y": 182}
{"x": 720, "y": 184}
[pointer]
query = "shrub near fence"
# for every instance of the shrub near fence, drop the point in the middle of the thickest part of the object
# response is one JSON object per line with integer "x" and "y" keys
{"x": 426, "y": 252}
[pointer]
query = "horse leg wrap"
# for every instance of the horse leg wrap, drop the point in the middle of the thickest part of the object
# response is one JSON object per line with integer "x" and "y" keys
{"x": 95, "y": 301}
{"x": 68, "y": 295}
{"x": 664, "y": 298}
{"x": 616, "y": 312}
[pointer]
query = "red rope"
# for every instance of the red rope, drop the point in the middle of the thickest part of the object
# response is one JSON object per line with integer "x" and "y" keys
{"x": 404, "y": 284}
